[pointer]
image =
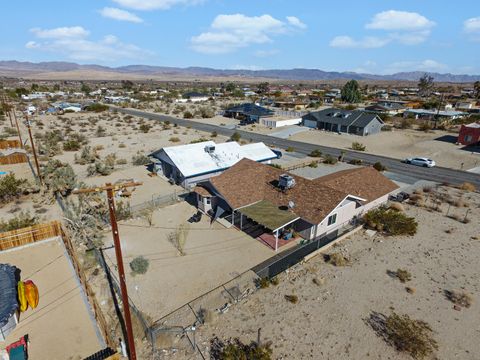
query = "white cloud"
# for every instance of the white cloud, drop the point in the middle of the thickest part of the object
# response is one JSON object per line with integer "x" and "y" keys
{"x": 472, "y": 25}
{"x": 369, "y": 42}
{"x": 399, "y": 20}
{"x": 60, "y": 32}
{"x": 119, "y": 14}
{"x": 246, "y": 67}
{"x": 407, "y": 28}
{"x": 266, "y": 53}
{"x": 75, "y": 45}
{"x": 293, "y": 20}
{"x": 425, "y": 65}
{"x": 155, "y": 4}
{"x": 229, "y": 33}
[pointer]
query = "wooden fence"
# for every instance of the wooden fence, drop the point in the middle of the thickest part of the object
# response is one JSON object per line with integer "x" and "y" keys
{"x": 9, "y": 144}
{"x": 15, "y": 158}
{"x": 28, "y": 235}
{"x": 36, "y": 233}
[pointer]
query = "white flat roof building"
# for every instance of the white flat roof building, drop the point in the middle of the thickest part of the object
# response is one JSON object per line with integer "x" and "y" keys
{"x": 188, "y": 164}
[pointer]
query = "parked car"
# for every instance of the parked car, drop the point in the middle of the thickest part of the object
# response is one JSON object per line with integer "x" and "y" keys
{"x": 195, "y": 218}
{"x": 420, "y": 161}
{"x": 400, "y": 197}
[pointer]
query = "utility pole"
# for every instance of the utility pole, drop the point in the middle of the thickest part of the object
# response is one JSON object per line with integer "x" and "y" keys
{"x": 110, "y": 189}
{"x": 18, "y": 128}
{"x": 27, "y": 122}
{"x": 6, "y": 109}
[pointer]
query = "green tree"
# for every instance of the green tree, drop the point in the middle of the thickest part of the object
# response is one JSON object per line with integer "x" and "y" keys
{"x": 230, "y": 87}
{"x": 425, "y": 85}
{"x": 351, "y": 92}
{"x": 263, "y": 87}
{"x": 85, "y": 89}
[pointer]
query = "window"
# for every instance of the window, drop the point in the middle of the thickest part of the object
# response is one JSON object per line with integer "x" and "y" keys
{"x": 332, "y": 219}
{"x": 208, "y": 201}
{"x": 468, "y": 138}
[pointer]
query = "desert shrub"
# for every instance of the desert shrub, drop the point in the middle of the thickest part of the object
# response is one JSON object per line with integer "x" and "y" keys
{"x": 262, "y": 283}
{"x": 397, "y": 207}
{"x": 178, "y": 238}
{"x": 50, "y": 142}
{"x": 96, "y": 107}
{"x": 379, "y": 166}
{"x": 187, "y": 115}
{"x": 214, "y": 134}
{"x": 290, "y": 149}
{"x": 122, "y": 145}
{"x": 174, "y": 139}
{"x": 139, "y": 265}
{"x": 101, "y": 131}
{"x": 391, "y": 222}
{"x": 406, "y": 124}
{"x": 275, "y": 281}
{"x": 460, "y": 298}
{"x": 122, "y": 162}
{"x": 11, "y": 187}
{"x": 199, "y": 140}
{"x": 71, "y": 145}
{"x": 409, "y": 335}
{"x": 58, "y": 176}
{"x": 315, "y": 153}
{"x": 358, "y": 146}
{"x": 313, "y": 164}
{"x": 23, "y": 219}
{"x": 123, "y": 211}
{"x": 425, "y": 126}
{"x": 140, "y": 159}
{"x": 355, "y": 162}
{"x": 403, "y": 275}
{"x": 336, "y": 259}
{"x": 99, "y": 168}
{"x": 277, "y": 166}
{"x": 234, "y": 349}
{"x": 87, "y": 156}
{"x": 292, "y": 298}
{"x": 468, "y": 187}
{"x": 145, "y": 128}
{"x": 329, "y": 159}
{"x": 10, "y": 131}
{"x": 235, "y": 136}
{"x": 206, "y": 112}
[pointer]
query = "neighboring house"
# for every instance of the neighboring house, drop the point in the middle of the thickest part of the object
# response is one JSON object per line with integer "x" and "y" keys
{"x": 469, "y": 134}
{"x": 265, "y": 201}
{"x": 193, "y": 97}
{"x": 464, "y": 105}
{"x": 189, "y": 164}
{"x": 431, "y": 115}
{"x": 248, "y": 112}
{"x": 354, "y": 122}
{"x": 8, "y": 300}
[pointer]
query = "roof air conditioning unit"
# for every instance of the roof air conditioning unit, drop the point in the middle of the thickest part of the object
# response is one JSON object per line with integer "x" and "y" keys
{"x": 286, "y": 181}
{"x": 209, "y": 149}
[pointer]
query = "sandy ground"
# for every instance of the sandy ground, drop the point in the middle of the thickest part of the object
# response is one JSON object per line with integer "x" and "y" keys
{"x": 400, "y": 144}
{"x": 214, "y": 255}
{"x": 329, "y": 321}
{"x": 60, "y": 327}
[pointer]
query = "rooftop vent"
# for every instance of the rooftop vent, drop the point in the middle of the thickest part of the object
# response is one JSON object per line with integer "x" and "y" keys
{"x": 286, "y": 182}
{"x": 210, "y": 149}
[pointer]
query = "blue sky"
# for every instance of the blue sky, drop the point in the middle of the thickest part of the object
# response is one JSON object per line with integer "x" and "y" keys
{"x": 375, "y": 36}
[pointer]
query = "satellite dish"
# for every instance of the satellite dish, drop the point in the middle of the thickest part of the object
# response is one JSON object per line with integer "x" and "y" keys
{"x": 291, "y": 204}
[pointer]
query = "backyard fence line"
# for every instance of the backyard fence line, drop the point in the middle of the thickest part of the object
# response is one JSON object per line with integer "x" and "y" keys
{"x": 28, "y": 235}
{"x": 97, "y": 311}
{"x": 9, "y": 144}
{"x": 13, "y": 159}
{"x": 159, "y": 201}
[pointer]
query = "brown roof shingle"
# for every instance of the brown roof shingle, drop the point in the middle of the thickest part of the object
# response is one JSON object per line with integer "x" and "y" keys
{"x": 248, "y": 182}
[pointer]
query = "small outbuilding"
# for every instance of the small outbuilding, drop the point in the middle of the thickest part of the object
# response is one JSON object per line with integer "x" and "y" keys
{"x": 469, "y": 134}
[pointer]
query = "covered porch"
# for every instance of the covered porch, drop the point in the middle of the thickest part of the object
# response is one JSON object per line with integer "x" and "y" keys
{"x": 270, "y": 224}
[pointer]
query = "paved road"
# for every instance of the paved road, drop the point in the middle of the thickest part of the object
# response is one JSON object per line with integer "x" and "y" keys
{"x": 437, "y": 174}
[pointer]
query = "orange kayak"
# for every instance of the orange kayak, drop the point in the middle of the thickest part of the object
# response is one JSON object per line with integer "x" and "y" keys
{"x": 31, "y": 293}
{"x": 22, "y": 299}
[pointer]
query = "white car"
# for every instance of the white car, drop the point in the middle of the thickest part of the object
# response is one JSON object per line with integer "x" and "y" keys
{"x": 420, "y": 161}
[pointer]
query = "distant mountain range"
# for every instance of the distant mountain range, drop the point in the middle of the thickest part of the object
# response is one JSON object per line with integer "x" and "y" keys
{"x": 58, "y": 68}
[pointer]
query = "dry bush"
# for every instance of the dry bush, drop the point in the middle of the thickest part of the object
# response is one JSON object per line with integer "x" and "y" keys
{"x": 391, "y": 222}
{"x": 178, "y": 238}
{"x": 417, "y": 199}
{"x": 397, "y": 207}
{"x": 337, "y": 259}
{"x": 292, "y": 298}
{"x": 403, "y": 275}
{"x": 468, "y": 187}
{"x": 460, "y": 298}
{"x": 407, "y": 335}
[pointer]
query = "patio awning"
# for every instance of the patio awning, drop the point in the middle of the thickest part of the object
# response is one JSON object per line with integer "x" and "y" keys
{"x": 269, "y": 215}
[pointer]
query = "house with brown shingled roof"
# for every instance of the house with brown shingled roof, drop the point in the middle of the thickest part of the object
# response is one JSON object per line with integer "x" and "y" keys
{"x": 264, "y": 199}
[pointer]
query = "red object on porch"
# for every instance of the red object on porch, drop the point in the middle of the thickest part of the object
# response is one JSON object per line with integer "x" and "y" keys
{"x": 469, "y": 134}
{"x": 269, "y": 240}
